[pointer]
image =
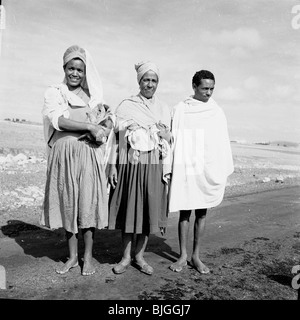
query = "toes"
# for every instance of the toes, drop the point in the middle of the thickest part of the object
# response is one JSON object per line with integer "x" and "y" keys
{"x": 143, "y": 266}
{"x": 66, "y": 267}
{"x": 120, "y": 267}
{"x": 177, "y": 267}
{"x": 88, "y": 269}
{"x": 205, "y": 270}
{"x": 200, "y": 267}
{"x": 88, "y": 273}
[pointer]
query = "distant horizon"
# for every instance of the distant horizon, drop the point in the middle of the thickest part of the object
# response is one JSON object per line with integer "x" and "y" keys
{"x": 250, "y": 46}
{"x": 239, "y": 141}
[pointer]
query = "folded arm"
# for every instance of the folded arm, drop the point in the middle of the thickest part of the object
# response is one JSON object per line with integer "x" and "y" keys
{"x": 65, "y": 124}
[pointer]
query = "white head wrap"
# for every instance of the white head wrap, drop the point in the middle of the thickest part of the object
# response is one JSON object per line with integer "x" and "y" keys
{"x": 72, "y": 53}
{"x": 92, "y": 80}
{"x": 144, "y": 66}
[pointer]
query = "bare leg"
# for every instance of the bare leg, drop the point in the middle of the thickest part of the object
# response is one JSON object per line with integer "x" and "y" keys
{"x": 127, "y": 239}
{"x": 183, "y": 229}
{"x": 141, "y": 243}
{"x": 199, "y": 226}
{"x": 73, "y": 250}
{"x": 88, "y": 236}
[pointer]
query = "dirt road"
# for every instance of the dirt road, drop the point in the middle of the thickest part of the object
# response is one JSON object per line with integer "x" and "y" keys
{"x": 251, "y": 244}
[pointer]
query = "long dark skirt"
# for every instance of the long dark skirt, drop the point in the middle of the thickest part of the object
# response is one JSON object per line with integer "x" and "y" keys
{"x": 138, "y": 204}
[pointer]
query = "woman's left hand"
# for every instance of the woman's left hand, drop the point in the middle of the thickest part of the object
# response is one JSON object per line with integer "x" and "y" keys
{"x": 165, "y": 134}
{"x": 101, "y": 136}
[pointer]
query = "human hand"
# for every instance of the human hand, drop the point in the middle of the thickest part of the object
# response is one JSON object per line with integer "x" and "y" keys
{"x": 165, "y": 134}
{"x": 85, "y": 136}
{"x": 161, "y": 126}
{"x": 107, "y": 123}
{"x": 101, "y": 136}
{"x": 164, "y": 131}
{"x": 93, "y": 130}
{"x": 133, "y": 126}
{"x": 98, "y": 133}
{"x": 112, "y": 175}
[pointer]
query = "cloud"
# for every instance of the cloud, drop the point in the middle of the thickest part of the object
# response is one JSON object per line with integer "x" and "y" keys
{"x": 252, "y": 82}
{"x": 282, "y": 91}
{"x": 240, "y": 53}
{"x": 230, "y": 93}
{"x": 252, "y": 51}
{"x": 242, "y": 37}
{"x": 169, "y": 88}
{"x": 247, "y": 38}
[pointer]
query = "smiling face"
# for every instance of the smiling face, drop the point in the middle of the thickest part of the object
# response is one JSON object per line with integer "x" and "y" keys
{"x": 148, "y": 84}
{"x": 75, "y": 73}
{"x": 205, "y": 90}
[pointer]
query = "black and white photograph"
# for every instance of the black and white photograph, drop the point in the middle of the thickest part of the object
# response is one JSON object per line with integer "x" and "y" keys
{"x": 150, "y": 153}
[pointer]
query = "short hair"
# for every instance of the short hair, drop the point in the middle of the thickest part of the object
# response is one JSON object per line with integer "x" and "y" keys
{"x": 202, "y": 74}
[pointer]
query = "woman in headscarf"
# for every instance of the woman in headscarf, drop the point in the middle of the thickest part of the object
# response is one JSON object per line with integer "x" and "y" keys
{"x": 76, "y": 192}
{"x": 139, "y": 180}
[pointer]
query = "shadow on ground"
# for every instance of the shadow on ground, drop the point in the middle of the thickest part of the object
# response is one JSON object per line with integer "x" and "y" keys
{"x": 41, "y": 242}
{"x": 257, "y": 269}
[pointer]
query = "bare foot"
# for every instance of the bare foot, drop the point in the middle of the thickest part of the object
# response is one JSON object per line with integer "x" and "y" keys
{"x": 199, "y": 266}
{"x": 143, "y": 266}
{"x": 178, "y": 265}
{"x": 122, "y": 266}
{"x": 88, "y": 268}
{"x": 71, "y": 263}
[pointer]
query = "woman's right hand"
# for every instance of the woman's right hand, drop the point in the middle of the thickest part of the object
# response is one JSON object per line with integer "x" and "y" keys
{"x": 94, "y": 133}
{"x": 94, "y": 130}
{"x": 112, "y": 175}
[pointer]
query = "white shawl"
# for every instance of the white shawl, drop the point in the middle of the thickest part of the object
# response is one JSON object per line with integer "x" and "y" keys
{"x": 202, "y": 156}
{"x": 58, "y": 97}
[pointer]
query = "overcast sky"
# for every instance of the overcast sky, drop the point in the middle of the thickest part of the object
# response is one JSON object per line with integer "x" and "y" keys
{"x": 250, "y": 46}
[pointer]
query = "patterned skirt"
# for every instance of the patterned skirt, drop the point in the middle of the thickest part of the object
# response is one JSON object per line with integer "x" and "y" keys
{"x": 138, "y": 204}
{"x": 76, "y": 188}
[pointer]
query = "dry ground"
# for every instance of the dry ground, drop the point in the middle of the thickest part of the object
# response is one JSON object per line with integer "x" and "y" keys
{"x": 255, "y": 268}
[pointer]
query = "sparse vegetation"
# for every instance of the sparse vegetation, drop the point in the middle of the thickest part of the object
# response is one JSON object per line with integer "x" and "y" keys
{"x": 258, "y": 269}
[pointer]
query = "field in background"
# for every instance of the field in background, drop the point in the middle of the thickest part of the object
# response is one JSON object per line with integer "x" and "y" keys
{"x": 257, "y": 167}
{"x": 258, "y": 268}
{"x": 20, "y": 137}
{"x": 263, "y": 162}
{"x": 16, "y": 136}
